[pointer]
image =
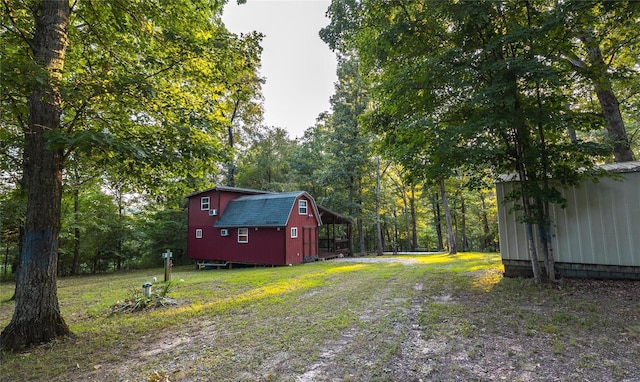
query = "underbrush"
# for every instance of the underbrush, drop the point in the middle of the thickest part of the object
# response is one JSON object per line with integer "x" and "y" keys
{"x": 138, "y": 301}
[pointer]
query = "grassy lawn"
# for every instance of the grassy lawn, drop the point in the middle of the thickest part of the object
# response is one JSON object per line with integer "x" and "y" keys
{"x": 436, "y": 317}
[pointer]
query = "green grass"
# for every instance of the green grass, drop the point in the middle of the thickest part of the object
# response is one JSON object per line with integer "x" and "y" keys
{"x": 273, "y": 323}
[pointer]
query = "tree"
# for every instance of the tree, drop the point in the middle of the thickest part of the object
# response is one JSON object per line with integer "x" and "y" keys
{"x": 351, "y": 164}
{"x": 12, "y": 211}
{"x": 309, "y": 159}
{"x": 37, "y": 315}
{"x": 407, "y": 193}
{"x": 133, "y": 86}
{"x": 77, "y": 179}
{"x": 162, "y": 227}
{"x": 242, "y": 105}
{"x": 602, "y": 44}
{"x": 464, "y": 88}
{"x": 266, "y": 165}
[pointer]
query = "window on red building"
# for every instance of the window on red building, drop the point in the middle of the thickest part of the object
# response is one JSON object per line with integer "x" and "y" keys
{"x": 243, "y": 235}
{"x": 302, "y": 207}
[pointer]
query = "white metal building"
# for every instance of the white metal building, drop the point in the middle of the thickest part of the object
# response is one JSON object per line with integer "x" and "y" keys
{"x": 597, "y": 235}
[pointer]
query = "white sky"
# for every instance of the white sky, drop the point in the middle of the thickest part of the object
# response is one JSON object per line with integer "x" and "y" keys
{"x": 299, "y": 68}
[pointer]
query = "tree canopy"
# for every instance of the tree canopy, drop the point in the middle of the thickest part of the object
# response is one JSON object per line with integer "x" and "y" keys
{"x": 138, "y": 89}
{"x": 495, "y": 87}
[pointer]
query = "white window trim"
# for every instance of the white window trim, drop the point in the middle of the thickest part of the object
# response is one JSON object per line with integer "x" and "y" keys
{"x": 198, "y": 233}
{"x": 246, "y": 234}
{"x": 300, "y": 207}
{"x": 205, "y": 201}
{"x": 294, "y": 232}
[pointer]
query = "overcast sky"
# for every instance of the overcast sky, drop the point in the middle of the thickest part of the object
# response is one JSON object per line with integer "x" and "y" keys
{"x": 299, "y": 67}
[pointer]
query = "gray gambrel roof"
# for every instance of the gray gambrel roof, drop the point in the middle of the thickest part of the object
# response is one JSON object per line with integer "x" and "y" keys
{"x": 265, "y": 210}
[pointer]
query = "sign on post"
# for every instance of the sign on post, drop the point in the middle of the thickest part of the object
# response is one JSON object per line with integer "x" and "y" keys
{"x": 167, "y": 265}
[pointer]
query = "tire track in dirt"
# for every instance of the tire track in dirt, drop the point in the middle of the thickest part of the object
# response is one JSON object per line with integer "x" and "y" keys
{"x": 362, "y": 352}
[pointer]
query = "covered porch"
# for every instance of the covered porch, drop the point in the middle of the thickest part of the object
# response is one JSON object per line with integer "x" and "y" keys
{"x": 335, "y": 236}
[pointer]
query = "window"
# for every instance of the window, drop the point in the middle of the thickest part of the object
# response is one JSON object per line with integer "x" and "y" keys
{"x": 294, "y": 232}
{"x": 302, "y": 207}
{"x": 243, "y": 235}
{"x": 199, "y": 233}
{"x": 204, "y": 203}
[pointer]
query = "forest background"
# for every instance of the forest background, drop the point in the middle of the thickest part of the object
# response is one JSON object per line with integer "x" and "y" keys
{"x": 123, "y": 202}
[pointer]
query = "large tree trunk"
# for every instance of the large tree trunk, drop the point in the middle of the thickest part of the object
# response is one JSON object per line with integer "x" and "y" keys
{"x": 598, "y": 72}
{"x": 615, "y": 125}
{"x": 36, "y": 318}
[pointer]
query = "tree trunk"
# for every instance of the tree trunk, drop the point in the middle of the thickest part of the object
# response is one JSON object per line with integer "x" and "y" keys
{"x": 395, "y": 242}
{"x": 544, "y": 235}
{"x": 463, "y": 225}
{"x": 6, "y": 261}
{"x": 231, "y": 167}
{"x": 533, "y": 254}
{"x": 361, "y": 236}
{"x": 405, "y": 209}
{"x": 359, "y": 225}
{"x": 120, "y": 230}
{"x": 231, "y": 170}
{"x": 36, "y": 318}
{"x": 531, "y": 243}
{"x": 437, "y": 218}
{"x": 485, "y": 224}
{"x": 378, "y": 229}
{"x": 76, "y": 231}
{"x": 453, "y": 248}
{"x": 414, "y": 224}
{"x": 598, "y": 72}
{"x": 615, "y": 126}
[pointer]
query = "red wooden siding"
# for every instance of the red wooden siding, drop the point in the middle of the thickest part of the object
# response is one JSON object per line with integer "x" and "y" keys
{"x": 299, "y": 248}
{"x": 270, "y": 246}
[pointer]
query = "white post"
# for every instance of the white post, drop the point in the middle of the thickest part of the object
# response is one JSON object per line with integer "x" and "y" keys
{"x": 167, "y": 265}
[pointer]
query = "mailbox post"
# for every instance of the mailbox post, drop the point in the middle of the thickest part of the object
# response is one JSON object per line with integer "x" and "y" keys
{"x": 167, "y": 265}
{"x": 146, "y": 290}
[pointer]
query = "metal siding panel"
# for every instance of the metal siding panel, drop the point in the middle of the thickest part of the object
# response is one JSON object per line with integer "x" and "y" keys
{"x": 628, "y": 217}
{"x": 569, "y": 236}
{"x": 513, "y": 243}
{"x": 502, "y": 237}
{"x": 556, "y": 231}
{"x": 610, "y": 232}
{"x": 600, "y": 225}
{"x": 633, "y": 218}
{"x": 596, "y": 223}
{"x": 607, "y": 212}
{"x": 582, "y": 226}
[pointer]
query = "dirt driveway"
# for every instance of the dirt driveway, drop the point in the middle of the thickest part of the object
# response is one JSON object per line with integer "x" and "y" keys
{"x": 433, "y": 318}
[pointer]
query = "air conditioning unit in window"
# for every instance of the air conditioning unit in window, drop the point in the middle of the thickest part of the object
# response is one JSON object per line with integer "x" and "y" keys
{"x": 224, "y": 232}
{"x": 213, "y": 212}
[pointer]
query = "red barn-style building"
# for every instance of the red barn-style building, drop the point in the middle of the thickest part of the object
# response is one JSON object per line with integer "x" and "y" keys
{"x": 230, "y": 225}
